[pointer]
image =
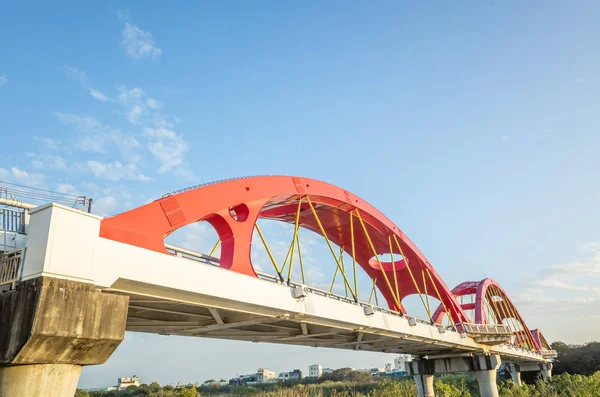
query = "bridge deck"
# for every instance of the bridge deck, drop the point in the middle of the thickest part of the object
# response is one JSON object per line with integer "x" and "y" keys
{"x": 178, "y": 296}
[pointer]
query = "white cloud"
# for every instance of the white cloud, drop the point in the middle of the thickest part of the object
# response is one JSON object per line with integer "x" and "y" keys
{"x": 98, "y": 95}
{"x": 93, "y": 136}
{"x": 167, "y": 147}
{"x": 132, "y": 100}
{"x": 116, "y": 171}
{"x": 75, "y": 74}
{"x": 3, "y": 79}
{"x": 49, "y": 162}
{"x": 139, "y": 44}
{"x": 67, "y": 189}
{"x": 153, "y": 103}
{"x": 104, "y": 205}
{"x": 49, "y": 142}
{"x": 23, "y": 177}
{"x": 82, "y": 78}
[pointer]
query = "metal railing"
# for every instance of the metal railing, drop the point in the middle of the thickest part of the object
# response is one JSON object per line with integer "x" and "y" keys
{"x": 12, "y": 221}
{"x": 209, "y": 260}
{"x": 486, "y": 329}
{"x": 10, "y": 266}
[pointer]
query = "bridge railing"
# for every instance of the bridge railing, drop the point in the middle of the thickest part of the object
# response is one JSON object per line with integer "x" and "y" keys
{"x": 10, "y": 266}
{"x": 210, "y": 260}
{"x": 12, "y": 221}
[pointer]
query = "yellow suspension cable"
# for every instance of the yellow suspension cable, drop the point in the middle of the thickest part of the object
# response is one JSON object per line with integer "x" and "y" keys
{"x": 353, "y": 253}
{"x": 312, "y": 208}
{"x": 336, "y": 270}
{"x": 212, "y": 251}
{"x": 268, "y": 251}
{"x": 426, "y": 294}
{"x": 296, "y": 228}
{"x": 505, "y": 315}
{"x": 393, "y": 266}
{"x": 440, "y": 298}
{"x": 343, "y": 268}
{"x": 412, "y": 277}
{"x": 517, "y": 319}
{"x": 387, "y": 281}
{"x": 300, "y": 258}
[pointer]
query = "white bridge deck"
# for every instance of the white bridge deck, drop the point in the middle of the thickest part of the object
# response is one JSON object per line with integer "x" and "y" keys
{"x": 175, "y": 295}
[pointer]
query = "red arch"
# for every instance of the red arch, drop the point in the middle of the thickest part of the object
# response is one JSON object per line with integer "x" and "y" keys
{"x": 483, "y": 290}
{"x": 275, "y": 197}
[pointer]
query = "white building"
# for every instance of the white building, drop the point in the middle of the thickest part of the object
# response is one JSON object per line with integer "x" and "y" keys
{"x": 124, "y": 383}
{"x": 401, "y": 362}
{"x": 388, "y": 368}
{"x": 264, "y": 375}
{"x": 315, "y": 371}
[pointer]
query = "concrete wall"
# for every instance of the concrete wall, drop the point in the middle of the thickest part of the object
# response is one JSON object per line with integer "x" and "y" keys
{"x": 58, "y": 321}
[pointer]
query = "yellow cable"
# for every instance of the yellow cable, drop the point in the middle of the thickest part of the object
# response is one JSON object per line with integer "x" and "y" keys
{"x": 268, "y": 251}
{"x": 378, "y": 261}
{"x": 312, "y": 208}
{"x": 212, "y": 251}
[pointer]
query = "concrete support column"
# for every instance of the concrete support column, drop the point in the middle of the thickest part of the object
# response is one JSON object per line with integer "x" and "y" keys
{"x": 515, "y": 374}
{"x": 485, "y": 371}
{"x": 37, "y": 380}
{"x": 49, "y": 328}
{"x": 422, "y": 372}
{"x": 546, "y": 371}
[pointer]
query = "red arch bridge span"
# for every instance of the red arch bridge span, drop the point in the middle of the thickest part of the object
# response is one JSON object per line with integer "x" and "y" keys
{"x": 290, "y": 260}
{"x": 363, "y": 244}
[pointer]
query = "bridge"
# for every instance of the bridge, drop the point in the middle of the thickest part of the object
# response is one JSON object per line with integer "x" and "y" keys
{"x": 72, "y": 283}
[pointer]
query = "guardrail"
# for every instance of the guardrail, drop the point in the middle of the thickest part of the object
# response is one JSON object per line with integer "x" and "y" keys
{"x": 12, "y": 221}
{"x": 210, "y": 260}
{"x": 10, "y": 265}
{"x": 486, "y": 329}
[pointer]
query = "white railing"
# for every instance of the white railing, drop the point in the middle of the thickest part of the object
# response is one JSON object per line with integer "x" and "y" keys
{"x": 486, "y": 329}
{"x": 10, "y": 264}
{"x": 549, "y": 353}
{"x": 12, "y": 221}
{"x": 210, "y": 260}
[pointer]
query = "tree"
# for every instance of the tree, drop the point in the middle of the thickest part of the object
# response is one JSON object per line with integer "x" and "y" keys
{"x": 154, "y": 386}
{"x": 81, "y": 393}
{"x": 191, "y": 392}
{"x": 577, "y": 359}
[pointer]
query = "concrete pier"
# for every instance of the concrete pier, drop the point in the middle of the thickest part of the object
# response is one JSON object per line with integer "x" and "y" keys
{"x": 515, "y": 374}
{"x": 422, "y": 372}
{"x": 485, "y": 372}
{"x": 49, "y": 328}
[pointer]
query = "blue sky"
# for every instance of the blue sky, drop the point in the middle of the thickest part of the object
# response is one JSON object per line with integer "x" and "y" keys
{"x": 472, "y": 125}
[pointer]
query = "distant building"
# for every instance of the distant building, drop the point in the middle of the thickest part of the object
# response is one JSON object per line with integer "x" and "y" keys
{"x": 293, "y": 375}
{"x": 401, "y": 363}
{"x": 389, "y": 368}
{"x": 124, "y": 383}
{"x": 327, "y": 371}
{"x": 315, "y": 371}
{"x": 243, "y": 380}
{"x": 264, "y": 375}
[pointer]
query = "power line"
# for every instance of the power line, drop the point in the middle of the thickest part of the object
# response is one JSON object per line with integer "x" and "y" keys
{"x": 36, "y": 188}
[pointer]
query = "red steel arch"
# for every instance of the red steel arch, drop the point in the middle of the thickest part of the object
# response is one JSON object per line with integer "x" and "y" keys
{"x": 488, "y": 291}
{"x": 276, "y": 197}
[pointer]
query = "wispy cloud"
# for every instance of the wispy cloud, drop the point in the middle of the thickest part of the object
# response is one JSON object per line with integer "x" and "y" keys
{"x": 567, "y": 284}
{"x": 15, "y": 174}
{"x": 3, "y": 79}
{"x": 48, "y": 142}
{"x": 116, "y": 171}
{"x": 93, "y": 136}
{"x": 167, "y": 147}
{"x": 48, "y": 162}
{"x": 82, "y": 78}
{"x": 139, "y": 44}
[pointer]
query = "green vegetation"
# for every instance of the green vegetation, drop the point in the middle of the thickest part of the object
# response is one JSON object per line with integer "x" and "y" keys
{"x": 564, "y": 385}
{"x": 577, "y": 359}
{"x": 576, "y": 374}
